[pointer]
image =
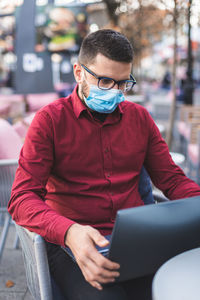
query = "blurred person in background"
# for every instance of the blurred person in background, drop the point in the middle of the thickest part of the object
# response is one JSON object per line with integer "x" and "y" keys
{"x": 81, "y": 163}
{"x": 166, "y": 82}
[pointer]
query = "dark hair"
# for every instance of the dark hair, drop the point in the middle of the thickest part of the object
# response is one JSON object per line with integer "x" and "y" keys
{"x": 107, "y": 42}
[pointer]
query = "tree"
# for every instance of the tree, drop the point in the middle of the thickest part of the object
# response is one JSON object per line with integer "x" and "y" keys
{"x": 112, "y": 6}
{"x": 177, "y": 12}
{"x": 189, "y": 85}
{"x": 174, "y": 77}
{"x": 141, "y": 21}
{"x": 144, "y": 27}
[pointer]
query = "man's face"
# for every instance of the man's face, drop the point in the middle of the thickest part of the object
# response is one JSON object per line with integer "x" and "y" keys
{"x": 102, "y": 67}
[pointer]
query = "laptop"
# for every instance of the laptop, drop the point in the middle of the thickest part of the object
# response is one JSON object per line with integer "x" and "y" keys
{"x": 145, "y": 237}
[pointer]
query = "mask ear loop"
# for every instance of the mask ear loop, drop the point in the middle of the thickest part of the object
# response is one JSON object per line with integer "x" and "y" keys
{"x": 83, "y": 79}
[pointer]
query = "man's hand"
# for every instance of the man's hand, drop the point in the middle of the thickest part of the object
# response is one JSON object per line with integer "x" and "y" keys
{"x": 95, "y": 267}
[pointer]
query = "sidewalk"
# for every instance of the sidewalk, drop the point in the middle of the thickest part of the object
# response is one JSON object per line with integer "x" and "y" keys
{"x": 12, "y": 268}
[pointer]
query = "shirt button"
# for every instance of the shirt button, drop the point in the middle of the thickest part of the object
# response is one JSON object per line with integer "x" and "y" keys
{"x": 106, "y": 150}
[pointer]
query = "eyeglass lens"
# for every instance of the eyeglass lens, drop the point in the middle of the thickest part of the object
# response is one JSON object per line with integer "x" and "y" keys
{"x": 105, "y": 84}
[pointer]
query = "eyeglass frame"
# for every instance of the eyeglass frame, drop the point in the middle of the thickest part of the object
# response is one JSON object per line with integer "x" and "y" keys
{"x": 132, "y": 80}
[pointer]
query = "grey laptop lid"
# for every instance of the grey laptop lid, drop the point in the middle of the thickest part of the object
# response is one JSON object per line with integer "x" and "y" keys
{"x": 145, "y": 237}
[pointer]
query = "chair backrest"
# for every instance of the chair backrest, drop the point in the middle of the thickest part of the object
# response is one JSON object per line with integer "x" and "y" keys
{"x": 37, "y": 101}
{"x": 21, "y": 126}
{"x": 36, "y": 264}
{"x": 11, "y": 143}
{"x": 7, "y": 173}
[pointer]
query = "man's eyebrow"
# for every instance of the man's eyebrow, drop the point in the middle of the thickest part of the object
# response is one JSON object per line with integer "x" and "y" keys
{"x": 103, "y": 76}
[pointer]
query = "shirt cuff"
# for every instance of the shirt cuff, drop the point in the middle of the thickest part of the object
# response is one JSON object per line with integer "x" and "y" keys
{"x": 58, "y": 232}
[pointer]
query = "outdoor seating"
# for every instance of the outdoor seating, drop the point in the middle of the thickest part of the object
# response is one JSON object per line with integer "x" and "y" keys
{"x": 188, "y": 128}
{"x": 14, "y": 103}
{"x": 7, "y": 173}
{"x": 161, "y": 105}
{"x": 9, "y": 151}
{"x": 21, "y": 126}
{"x": 189, "y": 119}
{"x": 39, "y": 281}
{"x": 37, "y": 101}
{"x": 4, "y": 110}
{"x": 10, "y": 141}
{"x": 193, "y": 157}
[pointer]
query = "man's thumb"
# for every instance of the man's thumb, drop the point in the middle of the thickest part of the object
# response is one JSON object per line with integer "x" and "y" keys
{"x": 100, "y": 240}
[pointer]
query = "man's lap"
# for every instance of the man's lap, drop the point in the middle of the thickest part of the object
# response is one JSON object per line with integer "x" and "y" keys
{"x": 73, "y": 286}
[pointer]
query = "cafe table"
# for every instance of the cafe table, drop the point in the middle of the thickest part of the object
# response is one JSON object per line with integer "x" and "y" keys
{"x": 178, "y": 278}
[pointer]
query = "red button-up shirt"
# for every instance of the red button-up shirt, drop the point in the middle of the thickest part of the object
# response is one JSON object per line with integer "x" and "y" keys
{"x": 73, "y": 168}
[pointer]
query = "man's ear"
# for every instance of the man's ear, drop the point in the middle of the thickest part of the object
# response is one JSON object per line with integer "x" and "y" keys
{"x": 78, "y": 72}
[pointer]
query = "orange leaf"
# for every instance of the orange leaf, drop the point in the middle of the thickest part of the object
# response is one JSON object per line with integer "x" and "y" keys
{"x": 9, "y": 284}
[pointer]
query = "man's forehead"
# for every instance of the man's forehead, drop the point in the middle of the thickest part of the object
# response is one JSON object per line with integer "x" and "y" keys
{"x": 100, "y": 58}
{"x": 104, "y": 66}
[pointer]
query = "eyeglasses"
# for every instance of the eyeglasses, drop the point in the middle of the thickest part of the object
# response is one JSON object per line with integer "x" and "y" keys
{"x": 106, "y": 83}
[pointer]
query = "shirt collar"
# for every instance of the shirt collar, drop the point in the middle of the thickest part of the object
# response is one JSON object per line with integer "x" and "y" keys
{"x": 79, "y": 107}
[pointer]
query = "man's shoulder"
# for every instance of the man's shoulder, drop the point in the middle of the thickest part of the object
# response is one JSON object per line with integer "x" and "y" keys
{"x": 131, "y": 107}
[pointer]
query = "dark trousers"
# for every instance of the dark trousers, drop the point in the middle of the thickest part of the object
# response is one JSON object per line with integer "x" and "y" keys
{"x": 73, "y": 286}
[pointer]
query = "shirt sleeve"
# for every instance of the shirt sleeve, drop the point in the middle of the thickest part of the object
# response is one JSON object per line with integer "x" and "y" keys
{"x": 27, "y": 205}
{"x": 164, "y": 173}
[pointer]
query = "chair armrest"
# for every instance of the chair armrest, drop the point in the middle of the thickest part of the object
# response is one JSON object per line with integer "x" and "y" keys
{"x": 33, "y": 236}
{"x": 8, "y": 162}
{"x": 36, "y": 263}
{"x": 158, "y": 197}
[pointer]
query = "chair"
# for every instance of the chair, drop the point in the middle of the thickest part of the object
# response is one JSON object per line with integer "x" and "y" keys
{"x": 188, "y": 120}
{"x": 11, "y": 142}
{"x": 7, "y": 172}
{"x": 193, "y": 156}
{"x": 9, "y": 151}
{"x": 15, "y": 104}
{"x": 21, "y": 126}
{"x": 39, "y": 281}
{"x": 37, "y": 101}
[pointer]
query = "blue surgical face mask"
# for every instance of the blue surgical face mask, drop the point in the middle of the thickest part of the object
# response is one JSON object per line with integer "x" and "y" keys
{"x": 103, "y": 101}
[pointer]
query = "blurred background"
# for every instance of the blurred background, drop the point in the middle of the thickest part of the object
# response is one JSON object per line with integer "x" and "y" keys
{"x": 40, "y": 41}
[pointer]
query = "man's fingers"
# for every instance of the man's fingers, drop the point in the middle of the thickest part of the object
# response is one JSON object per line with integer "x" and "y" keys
{"x": 96, "y": 268}
{"x": 93, "y": 272}
{"x": 101, "y": 272}
{"x": 102, "y": 261}
{"x": 90, "y": 252}
{"x": 99, "y": 239}
{"x": 96, "y": 285}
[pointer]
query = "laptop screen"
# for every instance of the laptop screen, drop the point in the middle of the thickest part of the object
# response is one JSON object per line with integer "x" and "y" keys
{"x": 145, "y": 237}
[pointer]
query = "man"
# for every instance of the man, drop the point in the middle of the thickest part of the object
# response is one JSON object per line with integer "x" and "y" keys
{"x": 80, "y": 163}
